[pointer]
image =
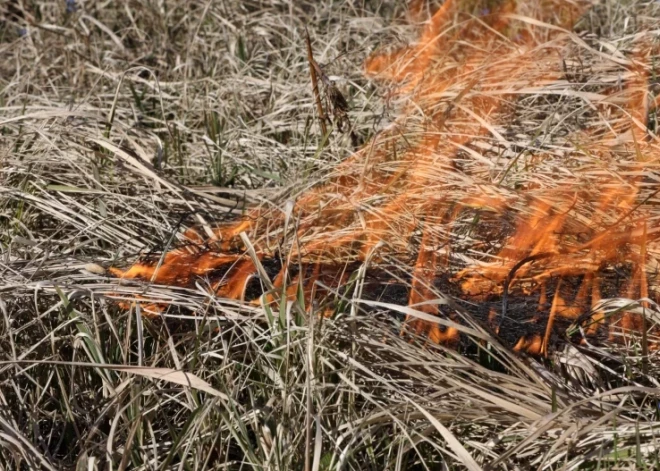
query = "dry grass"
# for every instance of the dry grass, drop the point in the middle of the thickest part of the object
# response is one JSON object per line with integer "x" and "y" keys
{"x": 124, "y": 122}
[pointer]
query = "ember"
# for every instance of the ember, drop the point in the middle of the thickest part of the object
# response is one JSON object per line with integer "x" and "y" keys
{"x": 452, "y": 197}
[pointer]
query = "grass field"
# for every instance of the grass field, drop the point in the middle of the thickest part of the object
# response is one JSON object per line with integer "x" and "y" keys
{"x": 124, "y": 123}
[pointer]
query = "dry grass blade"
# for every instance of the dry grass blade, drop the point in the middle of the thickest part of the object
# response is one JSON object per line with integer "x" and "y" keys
{"x": 461, "y": 453}
{"x": 313, "y": 71}
{"x": 182, "y": 378}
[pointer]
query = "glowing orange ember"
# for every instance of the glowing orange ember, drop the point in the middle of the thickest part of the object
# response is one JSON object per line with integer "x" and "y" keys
{"x": 444, "y": 194}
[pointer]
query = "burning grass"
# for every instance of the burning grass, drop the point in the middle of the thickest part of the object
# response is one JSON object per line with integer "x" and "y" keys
{"x": 501, "y": 199}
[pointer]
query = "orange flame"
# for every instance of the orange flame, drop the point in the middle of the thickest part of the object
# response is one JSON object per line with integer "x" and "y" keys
{"x": 422, "y": 175}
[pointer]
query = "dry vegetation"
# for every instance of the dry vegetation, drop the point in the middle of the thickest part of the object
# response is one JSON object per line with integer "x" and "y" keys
{"x": 124, "y": 122}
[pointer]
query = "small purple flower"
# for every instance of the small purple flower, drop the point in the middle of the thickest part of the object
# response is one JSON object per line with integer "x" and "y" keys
{"x": 71, "y": 6}
{"x": 22, "y": 32}
{"x": 484, "y": 12}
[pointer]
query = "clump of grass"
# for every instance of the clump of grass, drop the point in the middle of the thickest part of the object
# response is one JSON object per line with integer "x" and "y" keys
{"x": 124, "y": 123}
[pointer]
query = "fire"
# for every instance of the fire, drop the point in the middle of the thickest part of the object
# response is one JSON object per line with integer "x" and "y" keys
{"x": 421, "y": 196}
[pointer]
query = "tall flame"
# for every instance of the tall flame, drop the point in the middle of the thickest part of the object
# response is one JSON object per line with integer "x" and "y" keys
{"x": 421, "y": 195}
